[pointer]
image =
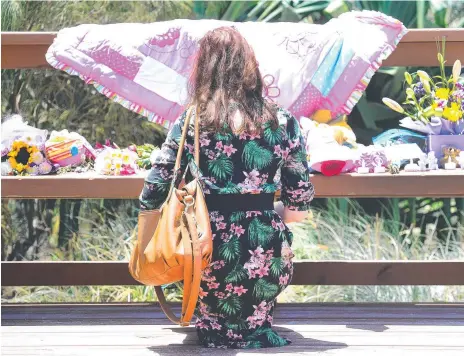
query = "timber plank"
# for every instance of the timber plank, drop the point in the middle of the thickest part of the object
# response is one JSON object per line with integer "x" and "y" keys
{"x": 46, "y": 273}
{"x": 350, "y": 334}
{"x": 92, "y": 186}
{"x": 416, "y": 48}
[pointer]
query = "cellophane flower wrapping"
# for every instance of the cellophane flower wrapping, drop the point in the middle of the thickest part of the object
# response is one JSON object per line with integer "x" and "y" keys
{"x": 115, "y": 161}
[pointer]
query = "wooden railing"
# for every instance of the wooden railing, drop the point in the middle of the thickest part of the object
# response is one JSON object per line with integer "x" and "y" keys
{"x": 417, "y": 48}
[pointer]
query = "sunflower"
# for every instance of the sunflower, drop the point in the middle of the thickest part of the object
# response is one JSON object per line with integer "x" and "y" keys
{"x": 21, "y": 156}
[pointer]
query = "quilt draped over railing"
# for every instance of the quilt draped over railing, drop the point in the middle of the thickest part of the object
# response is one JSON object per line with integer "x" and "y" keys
{"x": 306, "y": 67}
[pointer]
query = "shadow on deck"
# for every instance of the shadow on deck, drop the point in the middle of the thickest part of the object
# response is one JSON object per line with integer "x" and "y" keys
{"x": 142, "y": 329}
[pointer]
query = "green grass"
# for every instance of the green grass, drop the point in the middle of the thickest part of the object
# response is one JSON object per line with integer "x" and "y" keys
{"x": 342, "y": 232}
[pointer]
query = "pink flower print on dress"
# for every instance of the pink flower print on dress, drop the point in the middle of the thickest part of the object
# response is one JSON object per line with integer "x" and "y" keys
{"x": 218, "y": 264}
{"x": 280, "y": 152}
{"x": 263, "y": 271}
{"x": 271, "y": 91}
{"x": 221, "y": 225}
{"x": 215, "y": 325}
{"x": 254, "y": 136}
{"x": 283, "y": 280}
{"x": 278, "y": 225}
{"x": 237, "y": 230}
{"x": 204, "y": 142}
{"x": 202, "y": 293}
{"x": 202, "y": 325}
{"x": 286, "y": 254}
{"x": 213, "y": 285}
{"x": 230, "y": 334}
{"x": 190, "y": 148}
{"x": 293, "y": 143}
{"x": 229, "y": 287}
{"x": 259, "y": 262}
{"x": 220, "y": 295}
{"x": 259, "y": 315}
{"x": 216, "y": 217}
{"x": 225, "y": 237}
{"x": 229, "y": 150}
{"x": 219, "y": 145}
{"x": 303, "y": 184}
{"x": 240, "y": 290}
{"x": 285, "y": 153}
{"x": 250, "y": 214}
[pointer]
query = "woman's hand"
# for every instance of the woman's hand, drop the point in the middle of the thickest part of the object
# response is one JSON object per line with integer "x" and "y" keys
{"x": 289, "y": 216}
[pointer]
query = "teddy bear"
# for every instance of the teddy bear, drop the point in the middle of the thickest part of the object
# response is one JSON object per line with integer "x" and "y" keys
{"x": 329, "y": 143}
{"x": 450, "y": 154}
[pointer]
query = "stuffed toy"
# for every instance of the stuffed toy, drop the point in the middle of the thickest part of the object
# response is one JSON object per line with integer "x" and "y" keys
{"x": 450, "y": 154}
{"x": 329, "y": 143}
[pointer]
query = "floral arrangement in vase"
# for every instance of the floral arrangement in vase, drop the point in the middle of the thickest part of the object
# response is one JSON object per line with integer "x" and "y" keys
{"x": 433, "y": 105}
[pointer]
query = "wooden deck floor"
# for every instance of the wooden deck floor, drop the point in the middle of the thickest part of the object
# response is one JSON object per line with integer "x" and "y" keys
{"x": 142, "y": 330}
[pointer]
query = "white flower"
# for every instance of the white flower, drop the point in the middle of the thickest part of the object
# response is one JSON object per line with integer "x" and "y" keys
{"x": 45, "y": 167}
{"x": 33, "y": 171}
{"x": 392, "y": 104}
{"x": 457, "y": 70}
{"x": 6, "y": 168}
{"x": 423, "y": 76}
{"x": 37, "y": 157}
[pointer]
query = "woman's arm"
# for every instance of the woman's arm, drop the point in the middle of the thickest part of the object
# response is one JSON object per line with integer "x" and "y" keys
{"x": 289, "y": 216}
{"x": 297, "y": 190}
{"x": 159, "y": 179}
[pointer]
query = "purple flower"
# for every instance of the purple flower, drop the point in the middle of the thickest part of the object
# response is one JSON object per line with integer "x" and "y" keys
{"x": 419, "y": 90}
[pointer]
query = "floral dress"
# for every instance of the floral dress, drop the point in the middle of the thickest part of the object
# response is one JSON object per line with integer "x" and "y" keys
{"x": 252, "y": 257}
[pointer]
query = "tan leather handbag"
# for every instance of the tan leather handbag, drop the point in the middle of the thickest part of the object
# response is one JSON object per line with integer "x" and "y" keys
{"x": 175, "y": 242}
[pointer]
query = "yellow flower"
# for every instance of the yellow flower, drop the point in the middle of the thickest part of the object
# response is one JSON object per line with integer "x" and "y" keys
{"x": 125, "y": 158}
{"x": 442, "y": 93}
{"x": 20, "y": 167}
{"x": 452, "y": 113}
{"x": 12, "y": 163}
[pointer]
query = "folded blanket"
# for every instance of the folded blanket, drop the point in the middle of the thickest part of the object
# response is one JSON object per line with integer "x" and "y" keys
{"x": 146, "y": 67}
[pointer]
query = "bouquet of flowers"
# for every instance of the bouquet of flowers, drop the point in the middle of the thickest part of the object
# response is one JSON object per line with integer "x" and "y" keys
{"x": 25, "y": 157}
{"x": 145, "y": 153}
{"x": 22, "y": 148}
{"x": 434, "y": 106}
{"x": 116, "y": 161}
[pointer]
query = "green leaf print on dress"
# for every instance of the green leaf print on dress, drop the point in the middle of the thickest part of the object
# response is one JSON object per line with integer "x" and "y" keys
{"x": 221, "y": 168}
{"x": 230, "y": 251}
{"x": 252, "y": 258}
{"x": 259, "y": 233}
{"x": 256, "y": 156}
{"x": 230, "y": 305}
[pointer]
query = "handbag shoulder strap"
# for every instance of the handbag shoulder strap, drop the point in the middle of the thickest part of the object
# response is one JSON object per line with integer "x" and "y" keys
{"x": 192, "y": 274}
{"x": 185, "y": 128}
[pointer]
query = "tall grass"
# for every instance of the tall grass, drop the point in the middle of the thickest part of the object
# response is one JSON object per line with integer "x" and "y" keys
{"x": 340, "y": 232}
{"x": 350, "y": 234}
